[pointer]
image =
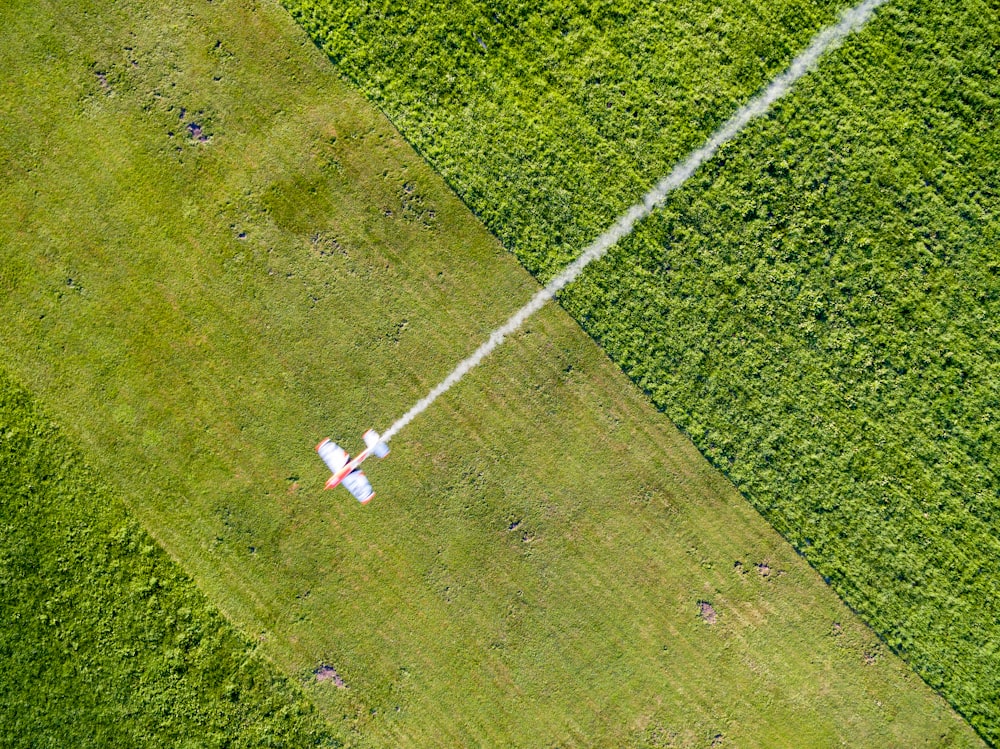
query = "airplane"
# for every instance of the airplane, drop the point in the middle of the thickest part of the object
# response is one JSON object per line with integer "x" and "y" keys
{"x": 346, "y": 471}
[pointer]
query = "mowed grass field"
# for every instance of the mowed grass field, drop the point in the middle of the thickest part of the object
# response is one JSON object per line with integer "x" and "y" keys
{"x": 817, "y": 308}
{"x": 214, "y": 253}
{"x": 104, "y": 640}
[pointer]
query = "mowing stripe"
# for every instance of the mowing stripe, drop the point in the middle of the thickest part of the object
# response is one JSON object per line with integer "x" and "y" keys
{"x": 850, "y": 21}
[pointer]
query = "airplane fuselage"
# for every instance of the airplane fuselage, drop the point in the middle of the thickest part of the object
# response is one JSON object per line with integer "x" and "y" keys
{"x": 349, "y": 466}
{"x": 346, "y": 472}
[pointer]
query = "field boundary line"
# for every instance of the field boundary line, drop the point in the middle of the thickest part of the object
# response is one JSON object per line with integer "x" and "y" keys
{"x": 829, "y": 38}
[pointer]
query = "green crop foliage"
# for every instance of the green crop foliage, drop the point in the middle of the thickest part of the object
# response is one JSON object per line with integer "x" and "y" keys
{"x": 549, "y": 118}
{"x": 104, "y": 641}
{"x": 214, "y": 252}
{"x": 818, "y": 309}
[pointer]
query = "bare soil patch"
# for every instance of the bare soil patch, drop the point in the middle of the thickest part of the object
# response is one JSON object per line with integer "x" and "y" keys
{"x": 707, "y": 612}
{"x": 872, "y": 655}
{"x": 194, "y": 129}
{"x": 328, "y": 673}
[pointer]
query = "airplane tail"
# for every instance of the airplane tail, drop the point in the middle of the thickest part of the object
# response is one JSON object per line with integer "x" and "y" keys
{"x": 373, "y": 441}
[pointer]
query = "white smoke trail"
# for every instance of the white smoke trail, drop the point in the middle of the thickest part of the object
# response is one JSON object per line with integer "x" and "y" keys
{"x": 851, "y": 20}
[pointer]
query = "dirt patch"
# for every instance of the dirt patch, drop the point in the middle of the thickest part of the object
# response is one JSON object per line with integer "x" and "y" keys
{"x": 872, "y": 655}
{"x": 326, "y": 245}
{"x": 293, "y": 487}
{"x": 764, "y": 569}
{"x": 328, "y": 673}
{"x": 196, "y": 133}
{"x": 102, "y": 79}
{"x": 707, "y": 612}
{"x": 738, "y": 567}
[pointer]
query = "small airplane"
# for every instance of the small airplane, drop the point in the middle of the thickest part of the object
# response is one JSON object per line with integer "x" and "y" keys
{"x": 346, "y": 471}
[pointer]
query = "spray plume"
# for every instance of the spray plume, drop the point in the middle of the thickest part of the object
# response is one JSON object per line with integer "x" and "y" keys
{"x": 851, "y": 20}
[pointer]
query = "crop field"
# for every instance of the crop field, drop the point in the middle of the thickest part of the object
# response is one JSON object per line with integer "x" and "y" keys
{"x": 214, "y": 252}
{"x": 103, "y": 640}
{"x": 818, "y": 309}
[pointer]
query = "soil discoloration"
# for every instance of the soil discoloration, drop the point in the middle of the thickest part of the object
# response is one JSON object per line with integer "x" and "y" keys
{"x": 197, "y": 134}
{"x": 707, "y": 612}
{"x": 328, "y": 673}
{"x": 326, "y": 245}
{"x": 764, "y": 569}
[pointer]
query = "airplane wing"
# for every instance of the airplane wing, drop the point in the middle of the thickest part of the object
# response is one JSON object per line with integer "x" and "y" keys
{"x": 332, "y": 454}
{"x": 358, "y": 485}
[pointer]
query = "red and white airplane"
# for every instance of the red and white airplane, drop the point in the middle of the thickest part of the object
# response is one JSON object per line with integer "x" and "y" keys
{"x": 347, "y": 471}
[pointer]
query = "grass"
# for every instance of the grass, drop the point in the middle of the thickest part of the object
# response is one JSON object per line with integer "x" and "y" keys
{"x": 104, "y": 641}
{"x": 817, "y": 309}
{"x": 550, "y": 118}
{"x": 198, "y": 313}
{"x": 834, "y": 335}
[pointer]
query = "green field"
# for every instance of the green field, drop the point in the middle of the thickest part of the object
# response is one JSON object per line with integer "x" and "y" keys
{"x": 103, "y": 640}
{"x": 551, "y": 118}
{"x": 215, "y": 252}
{"x": 817, "y": 309}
